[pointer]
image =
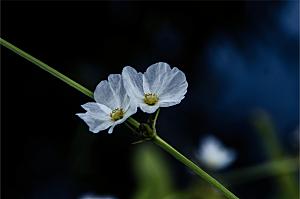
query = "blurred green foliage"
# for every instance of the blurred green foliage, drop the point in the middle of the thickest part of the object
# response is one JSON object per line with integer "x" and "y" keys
{"x": 287, "y": 184}
{"x": 154, "y": 176}
{"x": 155, "y": 179}
{"x": 152, "y": 172}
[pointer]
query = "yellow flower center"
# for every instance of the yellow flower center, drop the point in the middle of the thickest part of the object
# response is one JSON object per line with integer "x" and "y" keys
{"x": 150, "y": 99}
{"x": 117, "y": 114}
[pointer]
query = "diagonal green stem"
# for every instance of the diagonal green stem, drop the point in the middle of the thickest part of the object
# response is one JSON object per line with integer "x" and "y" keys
{"x": 54, "y": 72}
{"x": 47, "y": 68}
{"x": 160, "y": 142}
{"x": 157, "y": 140}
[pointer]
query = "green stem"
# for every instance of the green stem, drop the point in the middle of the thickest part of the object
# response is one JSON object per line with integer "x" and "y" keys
{"x": 47, "y": 68}
{"x": 55, "y": 73}
{"x": 130, "y": 120}
{"x": 155, "y": 120}
{"x": 160, "y": 142}
{"x": 133, "y": 122}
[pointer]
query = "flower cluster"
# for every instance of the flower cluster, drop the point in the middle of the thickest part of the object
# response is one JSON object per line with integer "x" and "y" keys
{"x": 119, "y": 97}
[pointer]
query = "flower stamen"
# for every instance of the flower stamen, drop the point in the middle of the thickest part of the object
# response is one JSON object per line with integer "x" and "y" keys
{"x": 150, "y": 99}
{"x": 117, "y": 114}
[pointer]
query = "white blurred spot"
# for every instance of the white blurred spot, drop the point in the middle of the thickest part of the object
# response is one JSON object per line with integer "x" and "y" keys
{"x": 213, "y": 155}
{"x": 92, "y": 196}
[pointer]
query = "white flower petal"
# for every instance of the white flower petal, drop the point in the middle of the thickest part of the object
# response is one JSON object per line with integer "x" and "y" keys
{"x": 111, "y": 129}
{"x": 154, "y": 77}
{"x": 132, "y": 109}
{"x": 166, "y": 102}
{"x": 126, "y": 103}
{"x": 148, "y": 109}
{"x": 111, "y": 92}
{"x": 94, "y": 123}
{"x": 174, "y": 87}
{"x": 96, "y": 108}
{"x": 117, "y": 88}
{"x": 133, "y": 82}
{"x": 103, "y": 95}
{"x": 105, "y": 108}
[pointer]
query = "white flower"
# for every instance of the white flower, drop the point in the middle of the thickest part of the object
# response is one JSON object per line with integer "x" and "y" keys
{"x": 212, "y": 154}
{"x": 113, "y": 106}
{"x": 159, "y": 86}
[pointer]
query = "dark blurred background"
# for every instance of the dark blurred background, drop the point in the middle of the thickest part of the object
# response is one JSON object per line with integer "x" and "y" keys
{"x": 239, "y": 57}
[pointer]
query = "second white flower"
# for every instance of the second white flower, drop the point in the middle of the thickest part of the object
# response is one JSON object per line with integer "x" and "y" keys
{"x": 159, "y": 86}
